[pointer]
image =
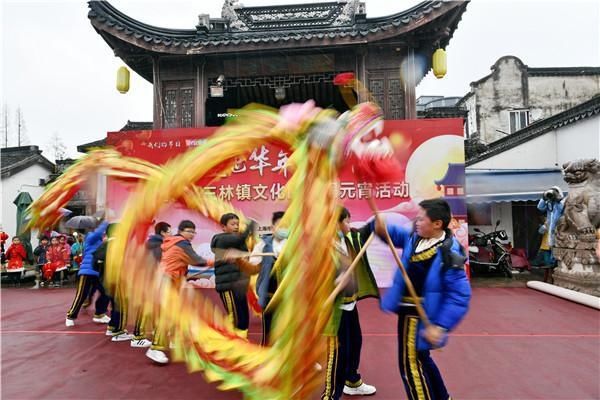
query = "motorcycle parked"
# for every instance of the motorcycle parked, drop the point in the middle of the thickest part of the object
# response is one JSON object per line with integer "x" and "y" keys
{"x": 488, "y": 253}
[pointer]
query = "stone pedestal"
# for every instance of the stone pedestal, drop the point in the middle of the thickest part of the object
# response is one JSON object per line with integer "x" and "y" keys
{"x": 578, "y": 273}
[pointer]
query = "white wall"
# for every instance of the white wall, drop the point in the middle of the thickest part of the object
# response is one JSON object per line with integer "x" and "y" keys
{"x": 579, "y": 140}
{"x": 552, "y": 149}
{"x": 26, "y": 180}
{"x": 550, "y": 95}
{"x": 502, "y": 212}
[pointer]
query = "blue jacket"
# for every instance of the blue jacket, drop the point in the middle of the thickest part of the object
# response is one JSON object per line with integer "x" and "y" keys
{"x": 92, "y": 242}
{"x": 553, "y": 212}
{"x": 446, "y": 293}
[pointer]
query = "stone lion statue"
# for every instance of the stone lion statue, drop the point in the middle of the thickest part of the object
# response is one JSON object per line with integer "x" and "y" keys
{"x": 576, "y": 229}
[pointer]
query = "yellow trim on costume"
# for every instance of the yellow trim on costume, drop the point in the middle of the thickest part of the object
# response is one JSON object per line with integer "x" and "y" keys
{"x": 405, "y": 355}
{"x": 425, "y": 255}
{"x": 78, "y": 294}
{"x": 331, "y": 359}
{"x": 410, "y": 300}
{"x": 233, "y": 309}
{"x": 354, "y": 384}
{"x": 350, "y": 299}
{"x": 424, "y": 380}
{"x": 412, "y": 358}
{"x": 231, "y": 314}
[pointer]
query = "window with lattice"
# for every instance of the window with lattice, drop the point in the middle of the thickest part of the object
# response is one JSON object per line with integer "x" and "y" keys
{"x": 178, "y": 104}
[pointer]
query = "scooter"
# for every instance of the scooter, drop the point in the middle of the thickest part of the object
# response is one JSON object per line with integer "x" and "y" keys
{"x": 487, "y": 253}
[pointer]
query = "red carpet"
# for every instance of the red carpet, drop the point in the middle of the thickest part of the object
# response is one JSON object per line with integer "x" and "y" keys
{"x": 514, "y": 344}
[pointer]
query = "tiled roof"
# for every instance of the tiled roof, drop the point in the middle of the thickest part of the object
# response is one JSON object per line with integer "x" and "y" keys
{"x": 137, "y": 126}
{"x": 563, "y": 71}
{"x": 315, "y": 24}
{"x": 129, "y": 126}
{"x": 534, "y": 71}
{"x": 15, "y": 159}
{"x": 570, "y": 116}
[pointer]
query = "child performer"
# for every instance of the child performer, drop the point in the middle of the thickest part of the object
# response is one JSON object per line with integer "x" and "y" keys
{"x": 177, "y": 254}
{"x": 89, "y": 278}
{"x": 267, "y": 282}
{"x": 231, "y": 282}
{"x": 345, "y": 342}
{"x": 434, "y": 262}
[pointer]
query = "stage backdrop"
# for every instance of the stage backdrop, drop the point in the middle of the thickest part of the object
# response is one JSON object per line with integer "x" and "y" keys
{"x": 430, "y": 151}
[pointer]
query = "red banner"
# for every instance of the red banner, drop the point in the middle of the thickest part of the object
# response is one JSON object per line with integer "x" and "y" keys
{"x": 426, "y": 150}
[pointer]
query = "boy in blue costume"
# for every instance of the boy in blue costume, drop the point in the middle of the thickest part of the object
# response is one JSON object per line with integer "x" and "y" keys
{"x": 434, "y": 262}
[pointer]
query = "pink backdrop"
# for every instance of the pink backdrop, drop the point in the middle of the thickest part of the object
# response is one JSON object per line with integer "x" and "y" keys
{"x": 423, "y": 147}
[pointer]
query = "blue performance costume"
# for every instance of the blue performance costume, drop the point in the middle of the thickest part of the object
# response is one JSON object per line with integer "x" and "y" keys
{"x": 439, "y": 279}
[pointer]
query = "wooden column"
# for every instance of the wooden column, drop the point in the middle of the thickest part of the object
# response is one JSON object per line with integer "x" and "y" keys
{"x": 361, "y": 73}
{"x": 410, "y": 78}
{"x": 200, "y": 94}
{"x": 157, "y": 116}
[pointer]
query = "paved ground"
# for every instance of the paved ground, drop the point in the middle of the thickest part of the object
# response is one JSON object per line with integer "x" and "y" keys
{"x": 515, "y": 343}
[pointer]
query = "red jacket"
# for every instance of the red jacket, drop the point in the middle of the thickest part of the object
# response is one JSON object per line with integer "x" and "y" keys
{"x": 57, "y": 254}
{"x": 66, "y": 252}
{"x": 16, "y": 255}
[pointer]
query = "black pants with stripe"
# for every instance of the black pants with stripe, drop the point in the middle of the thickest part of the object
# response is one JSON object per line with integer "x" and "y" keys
{"x": 85, "y": 285}
{"x": 118, "y": 314}
{"x": 236, "y": 306}
{"x": 421, "y": 377}
{"x": 343, "y": 356}
{"x": 139, "y": 327}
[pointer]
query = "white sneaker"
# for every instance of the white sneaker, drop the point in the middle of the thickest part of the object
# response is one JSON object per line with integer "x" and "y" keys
{"x": 108, "y": 332}
{"x": 121, "y": 337}
{"x": 105, "y": 319}
{"x": 362, "y": 390}
{"x": 157, "y": 356}
{"x": 140, "y": 343}
{"x": 69, "y": 322}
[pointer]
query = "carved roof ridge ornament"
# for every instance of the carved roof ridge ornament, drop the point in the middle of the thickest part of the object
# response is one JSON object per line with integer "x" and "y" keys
{"x": 229, "y": 13}
{"x": 346, "y": 17}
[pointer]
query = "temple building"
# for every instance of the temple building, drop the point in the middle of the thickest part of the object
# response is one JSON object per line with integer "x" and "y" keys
{"x": 276, "y": 55}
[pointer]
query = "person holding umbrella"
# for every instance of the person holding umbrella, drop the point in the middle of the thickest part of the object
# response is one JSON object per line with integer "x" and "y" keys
{"x": 89, "y": 279}
{"x": 81, "y": 222}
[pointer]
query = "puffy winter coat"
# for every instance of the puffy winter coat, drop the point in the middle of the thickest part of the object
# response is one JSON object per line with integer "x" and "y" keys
{"x": 446, "y": 292}
{"x": 92, "y": 242}
{"x": 16, "y": 256}
{"x": 177, "y": 254}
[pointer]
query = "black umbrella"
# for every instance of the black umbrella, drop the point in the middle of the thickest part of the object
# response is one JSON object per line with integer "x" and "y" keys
{"x": 81, "y": 222}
